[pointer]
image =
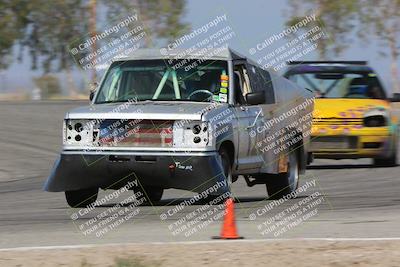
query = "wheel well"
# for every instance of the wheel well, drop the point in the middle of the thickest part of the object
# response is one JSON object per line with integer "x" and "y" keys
{"x": 228, "y": 145}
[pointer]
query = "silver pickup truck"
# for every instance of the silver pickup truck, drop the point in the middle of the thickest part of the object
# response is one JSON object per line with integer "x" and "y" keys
{"x": 169, "y": 120}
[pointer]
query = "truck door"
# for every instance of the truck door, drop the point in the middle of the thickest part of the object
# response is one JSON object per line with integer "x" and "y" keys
{"x": 247, "y": 117}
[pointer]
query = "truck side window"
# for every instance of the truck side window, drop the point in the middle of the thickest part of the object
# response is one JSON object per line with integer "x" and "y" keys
{"x": 261, "y": 81}
{"x": 242, "y": 84}
{"x": 238, "y": 89}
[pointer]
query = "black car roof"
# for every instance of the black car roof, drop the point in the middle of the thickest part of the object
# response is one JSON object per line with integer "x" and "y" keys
{"x": 328, "y": 66}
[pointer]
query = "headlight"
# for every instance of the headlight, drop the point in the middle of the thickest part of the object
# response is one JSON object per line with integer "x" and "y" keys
{"x": 78, "y": 127}
{"x": 375, "y": 121}
{"x": 77, "y": 132}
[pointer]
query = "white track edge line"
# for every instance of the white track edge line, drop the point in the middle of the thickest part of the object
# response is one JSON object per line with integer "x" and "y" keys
{"x": 199, "y": 242}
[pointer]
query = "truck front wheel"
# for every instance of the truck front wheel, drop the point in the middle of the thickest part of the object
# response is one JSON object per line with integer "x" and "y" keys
{"x": 227, "y": 166}
{"x": 81, "y": 198}
{"x": 151, "y": 193}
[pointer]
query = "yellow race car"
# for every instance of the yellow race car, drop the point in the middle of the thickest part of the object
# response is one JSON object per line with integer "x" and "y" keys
{"x": 352, "y": 115}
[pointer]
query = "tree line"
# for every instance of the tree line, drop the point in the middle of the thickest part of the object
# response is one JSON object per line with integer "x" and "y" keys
{"x": 347, "y": 21}
{"x": 45, "y": 28}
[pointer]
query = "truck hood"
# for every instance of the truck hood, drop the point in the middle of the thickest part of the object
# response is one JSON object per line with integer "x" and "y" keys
{"x": 346, "y": 108}
{"x": 161, "y": 110}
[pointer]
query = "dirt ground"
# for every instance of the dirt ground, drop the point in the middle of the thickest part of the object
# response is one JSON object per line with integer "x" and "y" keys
{"x": 269, "y": 253}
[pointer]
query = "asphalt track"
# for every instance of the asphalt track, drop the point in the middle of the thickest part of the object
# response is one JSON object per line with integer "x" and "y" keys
{"x": 357, "y": 200}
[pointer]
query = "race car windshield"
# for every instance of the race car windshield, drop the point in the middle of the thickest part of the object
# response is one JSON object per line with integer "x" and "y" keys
{"x": 157, "y": 81}
{"x": 341, "y": 85}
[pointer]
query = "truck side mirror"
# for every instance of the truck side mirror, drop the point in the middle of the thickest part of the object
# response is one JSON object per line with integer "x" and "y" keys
{"x": 395, "y": 97}
{"x": 255, "y": 98}
{"x": 93, "y": 88}
{"x": 91, "y": 95}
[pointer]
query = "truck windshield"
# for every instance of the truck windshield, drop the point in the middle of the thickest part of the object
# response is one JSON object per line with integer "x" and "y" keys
{"x": 155, "y": 80}
{"x": 341, "y": 85}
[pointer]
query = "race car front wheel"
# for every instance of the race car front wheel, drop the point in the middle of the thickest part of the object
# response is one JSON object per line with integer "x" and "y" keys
{"x": 389, "y": 161}
{"x": 81, "y": 198}
{"x": 386, "y": 162}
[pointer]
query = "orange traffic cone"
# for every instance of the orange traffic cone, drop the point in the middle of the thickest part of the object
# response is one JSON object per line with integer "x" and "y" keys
{"x": 229, "y": 227}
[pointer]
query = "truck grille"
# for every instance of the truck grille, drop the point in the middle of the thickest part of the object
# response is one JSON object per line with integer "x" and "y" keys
{"x": 136, "y": 133}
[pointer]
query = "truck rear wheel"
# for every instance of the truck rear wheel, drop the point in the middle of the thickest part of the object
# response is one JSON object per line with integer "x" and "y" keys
{"x": 279, "y": 185}
{"x": 81, "y": 198}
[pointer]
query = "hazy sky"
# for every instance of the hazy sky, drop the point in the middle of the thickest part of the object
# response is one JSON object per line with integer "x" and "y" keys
{"x": 252, "y": 21}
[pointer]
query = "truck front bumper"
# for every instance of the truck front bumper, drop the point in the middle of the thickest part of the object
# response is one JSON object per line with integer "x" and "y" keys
{"x": 195, "y": 172}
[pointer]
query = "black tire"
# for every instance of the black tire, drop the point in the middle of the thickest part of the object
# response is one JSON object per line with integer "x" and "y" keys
{"x": 390, "y": 161}
{"x": 227, "y": 165}
{"x": 81, "y": 198}
{"x": 227, "y": 168}
{"x": 280, "y": 185}
{"x": 386, "y": 162}
{"x": 151, "y": 193}
{"x": 310, "y": 158}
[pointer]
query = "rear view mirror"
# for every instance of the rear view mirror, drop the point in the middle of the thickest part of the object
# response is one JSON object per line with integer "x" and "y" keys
{"x": 329, "y": 76}
{"x": 395, "y": 97}
{"x": 255, "y": 98}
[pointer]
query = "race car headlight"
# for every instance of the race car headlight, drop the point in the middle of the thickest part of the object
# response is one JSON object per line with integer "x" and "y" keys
{"x": 77, "y": 132}
{"x": 191, "y": 134}
{"x": 375, "y": 121}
